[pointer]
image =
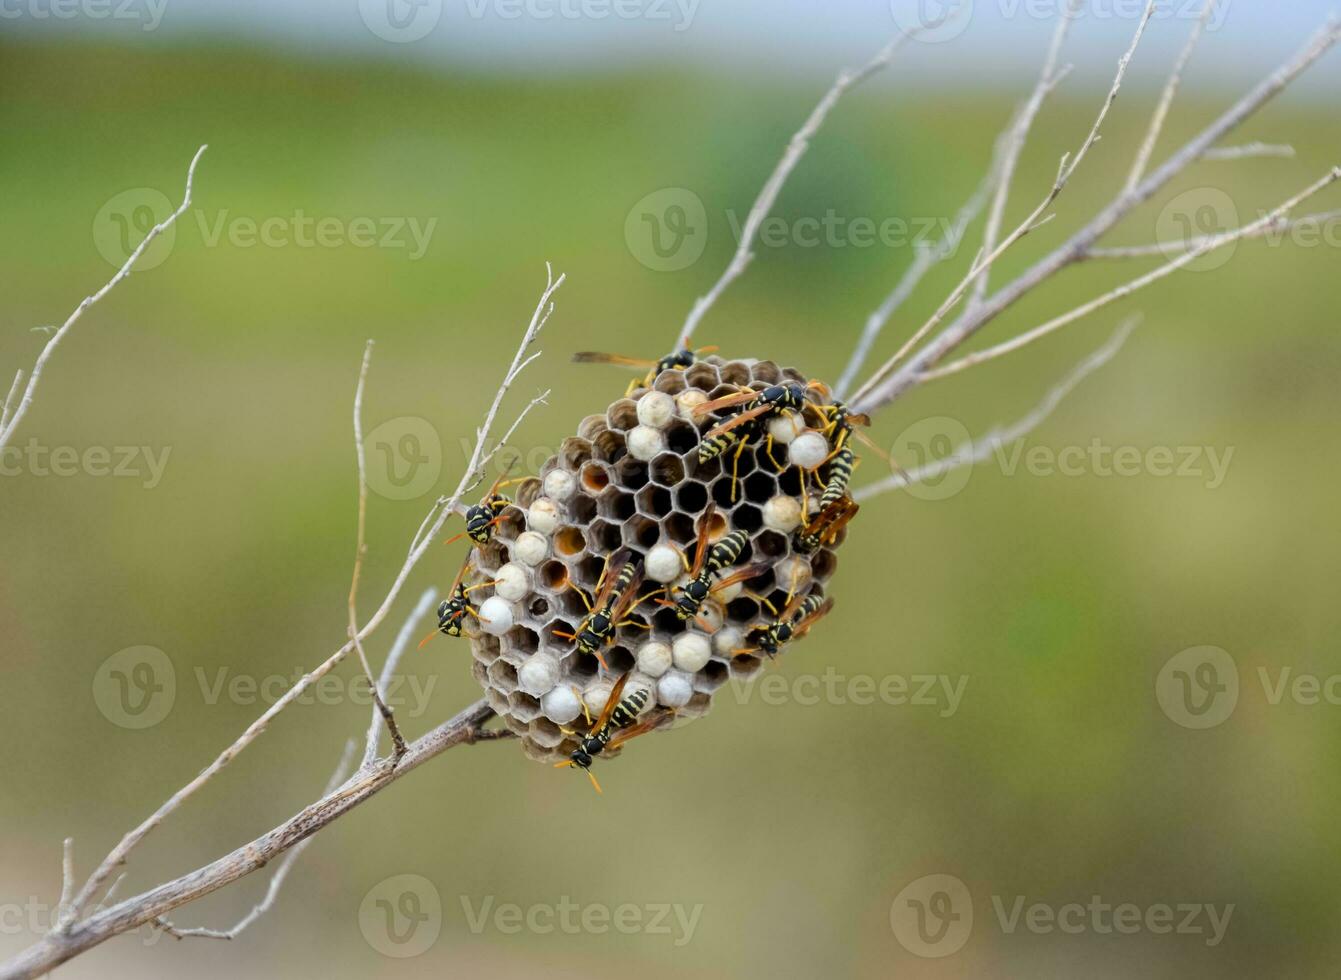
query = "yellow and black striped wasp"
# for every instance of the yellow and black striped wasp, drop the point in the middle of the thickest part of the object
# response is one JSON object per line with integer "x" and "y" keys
{"x": 838, "y": 425}
{"x": 813, "y": 535}
{"x": 616, "y": 597}
{"x": 618, "y": 722}
{"x": 482, "y": 518}
{"x": 708, "y": 561}
{"x": 682, "y": 358}
{"x": 745, "y": 425}
{"x": 793, "y": 623}
{"x": 452, "y": 611}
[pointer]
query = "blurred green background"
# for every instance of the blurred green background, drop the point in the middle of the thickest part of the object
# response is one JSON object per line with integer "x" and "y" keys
{"x": 795, "y": 826}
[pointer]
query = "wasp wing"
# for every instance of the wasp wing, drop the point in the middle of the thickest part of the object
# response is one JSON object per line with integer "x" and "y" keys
{"x": 739, "y": 419}
{"x": 701, "y": 549}
{"x": 649, "y": 724}
{"x": 615, "y": 694}
{"x": 800, "y": 629}
{"x": 596, "y": 357}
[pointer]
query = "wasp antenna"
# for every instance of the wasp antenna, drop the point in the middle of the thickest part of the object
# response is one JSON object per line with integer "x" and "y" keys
{"x": 424, "y": 642}
{"x": 565, "y": 762}
{"x": 595, "y": 785}
{"x": 455, "y": 538}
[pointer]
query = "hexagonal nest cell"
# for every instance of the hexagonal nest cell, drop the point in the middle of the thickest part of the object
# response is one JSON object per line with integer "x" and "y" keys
{"x": 631, "y": 479}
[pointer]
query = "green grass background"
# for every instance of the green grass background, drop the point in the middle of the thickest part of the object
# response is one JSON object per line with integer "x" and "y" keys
{"x": 795, "y": 826}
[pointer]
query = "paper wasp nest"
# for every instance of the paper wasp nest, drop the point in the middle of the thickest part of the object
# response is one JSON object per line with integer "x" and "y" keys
{"x": 631, "y": 477}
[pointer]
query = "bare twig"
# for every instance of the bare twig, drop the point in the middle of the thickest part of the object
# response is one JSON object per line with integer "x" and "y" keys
{"x": 891, "y": 381}
{"x": 21, "y": 409}
{"x": 1170, "y": 267}
{"x": 393, "y": 658}
{"x": 980, "y": 450}
{"x": 923, "y": 262}
{"x": 1036, "y": 219}
{"x": 443, "y": 509}
{"x": 361, "y": 549}
{"x": 131, "y": 913}
{"x": 1166, "y": 98}
{"x": 1048, "y": 80}
{"x": 763, "y": 204}
{"x": 1281, "y": 150}
{"x": 1167, "y": 248}
{"x": 9, "y": 399}
{"x": 276, "y": 880}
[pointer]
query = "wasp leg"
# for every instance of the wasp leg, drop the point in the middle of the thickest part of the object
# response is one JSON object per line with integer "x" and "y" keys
{"x": 768, "y": 448}
{"x": 735, "y": 467}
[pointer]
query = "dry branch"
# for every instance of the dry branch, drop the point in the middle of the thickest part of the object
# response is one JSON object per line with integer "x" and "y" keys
{"x": 13, "y": 413}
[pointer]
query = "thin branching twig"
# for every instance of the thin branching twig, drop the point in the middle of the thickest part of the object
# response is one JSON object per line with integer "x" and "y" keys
{"x": 13, "y": 416}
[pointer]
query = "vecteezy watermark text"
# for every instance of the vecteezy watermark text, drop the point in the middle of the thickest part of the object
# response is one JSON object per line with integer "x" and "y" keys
{"x": 144, "y": 463}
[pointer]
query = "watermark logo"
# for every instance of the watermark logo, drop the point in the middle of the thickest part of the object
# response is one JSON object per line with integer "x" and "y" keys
{"x": 1191, "y": 219}
{"x": 932, "y": 917}
{"x": 400, "y": 21}
{"x": 925, "y": 443}
{"x": 678, "y": 13}
{"x": 401, "y": 916}
{"x": 404, "y": 457}
{"x": 932, "y": 21}
{"x": 147, "y": 13}
{"x": 570, "y": 918}
{"x": 1198, "y": 687}
{"x": 124, "y": 221}
{"x": 136, "y": 687}
{"x": 667, "y": 230}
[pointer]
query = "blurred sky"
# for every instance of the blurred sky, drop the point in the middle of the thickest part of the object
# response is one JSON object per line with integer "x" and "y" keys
{"x": 993, "y": 37}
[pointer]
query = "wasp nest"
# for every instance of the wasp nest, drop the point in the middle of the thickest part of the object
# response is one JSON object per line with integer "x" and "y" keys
{"x": 631, "y": 478}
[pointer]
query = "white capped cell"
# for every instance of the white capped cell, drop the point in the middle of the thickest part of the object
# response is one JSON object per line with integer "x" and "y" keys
{"x": 559, "y": 484}
{"x": 561, "y": 705}
{"x": 538, "y": 675}
{"x": 688, "y": 400}
{"x": 785, "y": 428}
{"x": 645, "y": 442}
{"x": 691, "y": 651}
{"x": 674, "y": 689}
{"x": 654, "y": 658}
{"x": 496, "y": 616}
{"x": 512, "y": 582}
{"x": 543, "y": 516}
{"x": 782, "y": 513}
{"x": 808, "y": 450}
{"x": 530, "y": 548}
{"x": 656, "y": 409}
{"x": 663, "y": 564}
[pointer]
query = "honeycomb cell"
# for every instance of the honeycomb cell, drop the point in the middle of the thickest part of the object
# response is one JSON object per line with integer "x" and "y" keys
{"x": 640, "y": 532}
{"x": 823, "y": 564}
{"x": 589, "y": 428}
{"x": 735, "y": 373}
{"x": 691, "y": 498}
{"x": 595, "y": 477}
{"x": 523, "y": 707}
{"x": 680, "y": 528}
{"x": 702, "y": 375}
{"x": 502, "y": 677}
{"x": 765, "y": 373}
{"x": 654, "y": 501}
{"x": 760, "y": 487}
{"x": 667, "y": 470}
{"x": 604, "y": 536}
{"x": 569, "y": 541}
{"x": 770, "y": 544}
{"x": 573, "y": 452}
{"x": 554, "y": 576}
{"x": 747, "y": 517}
{"x": 631, "y": 474}
{"x": 544, "y": 733}
{"x": 583, "y": 509}
{"x": 616, "y": 504}
{"x": 670, "y": 382}
{"x": 622, "y": 415}
{"x": 681, "y": 437}
{"x": 608, "y": 446}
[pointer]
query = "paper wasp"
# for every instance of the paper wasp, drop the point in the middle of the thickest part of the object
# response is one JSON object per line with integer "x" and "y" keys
{"x": 482, "y": 518}
{"x": 452, "y": 610}
{"x": 810, "y": 537}
{"x": 708, "y": 561}
{"x": 839, "y": 427}
{"x": 618, "y": 722}
{"x": 793, "y": 623}
{"x": 615, "y": 598}
{"x": 746, "y": 424}
{"x": 683, "y": 358}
